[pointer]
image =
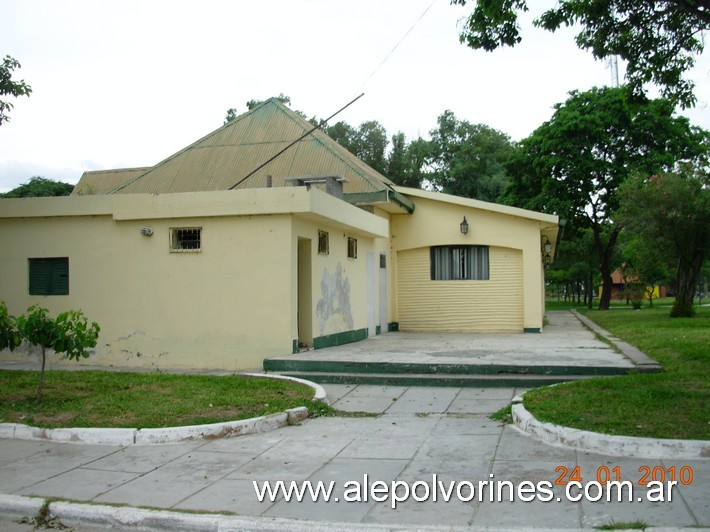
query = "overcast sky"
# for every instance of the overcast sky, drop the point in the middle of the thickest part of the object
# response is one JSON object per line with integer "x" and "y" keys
{"x": 128, "y": 83}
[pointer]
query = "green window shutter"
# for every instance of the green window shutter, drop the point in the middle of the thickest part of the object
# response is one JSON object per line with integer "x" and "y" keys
{"x": 49, "y": 276}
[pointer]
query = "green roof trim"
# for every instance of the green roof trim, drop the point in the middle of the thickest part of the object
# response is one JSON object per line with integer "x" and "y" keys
{"x": 380, "y": 196}
{"x": 401, "y": 200}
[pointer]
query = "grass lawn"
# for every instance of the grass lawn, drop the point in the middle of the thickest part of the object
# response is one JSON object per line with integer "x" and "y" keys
{"x": 141, "y": 400}
{"x": 671, "y": 404}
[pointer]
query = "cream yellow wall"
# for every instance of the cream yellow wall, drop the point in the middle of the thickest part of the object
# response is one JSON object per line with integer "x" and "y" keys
{"x": 435, "y": 223}
{"x": 162, "y": 309}
{"x": 227, "y": 307}
{"x": 494, "y": 305}
{"x": 339, "y": 294}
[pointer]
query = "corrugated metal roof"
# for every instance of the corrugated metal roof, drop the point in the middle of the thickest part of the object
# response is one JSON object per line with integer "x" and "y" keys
{"x": 226, "y": 156}
{"x": 104, "y": 181}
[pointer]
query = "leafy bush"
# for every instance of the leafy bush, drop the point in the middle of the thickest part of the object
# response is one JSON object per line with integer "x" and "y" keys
{"x": 69, "y": 333}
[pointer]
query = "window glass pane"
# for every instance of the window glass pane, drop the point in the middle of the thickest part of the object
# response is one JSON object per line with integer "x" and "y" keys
{"x": 459, "y": 263}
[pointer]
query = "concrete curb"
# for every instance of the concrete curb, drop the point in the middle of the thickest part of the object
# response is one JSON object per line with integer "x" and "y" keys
{"x": 641, "y": 360}
{"x": 618, "y": 446}
{"x": 19, "y": 505}
{"x": 319, "y": 395}
{"x": 129, "y": 518}
{"x": 132, "y": 436}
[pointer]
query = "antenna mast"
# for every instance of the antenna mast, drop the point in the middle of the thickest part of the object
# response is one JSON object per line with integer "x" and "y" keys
{"x": 613, "y": 63}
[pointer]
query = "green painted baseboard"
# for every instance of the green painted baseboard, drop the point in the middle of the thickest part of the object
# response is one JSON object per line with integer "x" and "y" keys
{"x": 532, "y": 330}
{"x": 340, "y": 338}
{"x": 393, "y": 327}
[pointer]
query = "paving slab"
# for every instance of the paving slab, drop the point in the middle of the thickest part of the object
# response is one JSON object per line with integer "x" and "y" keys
{"x": 515, "y": 445}
{"x": 78, "y": 484}
{"x": 415, "y": 514}
{"x": 171, "y": 483}
{"x": 458, "y": 443}
{"x": 141, "y": 459}
{"x": 694, "y": 493}
{"x": 342, "y": 471}
{"x": 420, "y": 399}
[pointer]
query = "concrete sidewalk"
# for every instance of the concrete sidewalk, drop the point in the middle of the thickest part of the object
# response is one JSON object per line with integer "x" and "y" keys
{"x": 419, "y": 432}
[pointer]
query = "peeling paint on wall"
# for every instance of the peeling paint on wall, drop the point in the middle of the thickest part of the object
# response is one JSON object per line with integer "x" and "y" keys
{"x": 333, "y": 310}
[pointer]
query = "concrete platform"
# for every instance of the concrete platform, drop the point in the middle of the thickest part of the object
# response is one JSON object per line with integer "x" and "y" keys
{"x": 567, "y": 349}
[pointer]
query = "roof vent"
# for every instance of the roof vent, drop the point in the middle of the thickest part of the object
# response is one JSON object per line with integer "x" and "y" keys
{"x": 333, "y": 183}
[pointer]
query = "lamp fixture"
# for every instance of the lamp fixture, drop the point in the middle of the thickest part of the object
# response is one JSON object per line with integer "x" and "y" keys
{"x": 547, "y": 245}
{"x": 146, "y": 230}
{"x": 464, "y": 226}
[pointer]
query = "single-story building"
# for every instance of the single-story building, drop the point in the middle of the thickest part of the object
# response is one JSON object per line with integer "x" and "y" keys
{"x": 622, "y": 286}
{"x": 222, "y": 255}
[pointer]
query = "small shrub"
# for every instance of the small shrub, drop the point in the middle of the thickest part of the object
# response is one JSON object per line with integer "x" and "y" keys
{"x": 9, "y": 335}
{"x": 69, "y": 333}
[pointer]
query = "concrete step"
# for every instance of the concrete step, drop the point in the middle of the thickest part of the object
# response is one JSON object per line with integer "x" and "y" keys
{"x": 432, "y": 379}
{"x": 293, "y": 364}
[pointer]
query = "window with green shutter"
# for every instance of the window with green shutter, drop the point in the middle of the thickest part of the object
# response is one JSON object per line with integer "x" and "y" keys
{"x": 49, "y": 276}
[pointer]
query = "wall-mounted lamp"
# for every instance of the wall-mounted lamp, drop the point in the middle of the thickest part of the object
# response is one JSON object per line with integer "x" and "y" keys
{"x": 547, "y": 246}
{"x": 464, "y": 226}
{"x": 146, "y": 230}
{"x": 547, "y": 249}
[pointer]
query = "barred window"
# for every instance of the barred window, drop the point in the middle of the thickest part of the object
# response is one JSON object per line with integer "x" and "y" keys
{"x": 450, "y": 263}
{"x": 323, "y": 243}
{"x": 352, "y": 248}
{"x": 49, "y": 276}
{"x": 185, "y": 239}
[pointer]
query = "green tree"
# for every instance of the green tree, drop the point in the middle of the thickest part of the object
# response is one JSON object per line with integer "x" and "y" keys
{"x": 344, "y": 134}
{"x": 468, "y": 159}
{"x": 645, "y": 261}
{"x": 406, "y": 162}
{"x": 576, "y": 265}
{"x": 9, "y": 335}
{"x": 8, "y": 87}
{"x": 232, "y": 112}
{"x": 658, "y": 39}
{"x": 574, "y": 164}
{"x": 371, "y": 145}
{"x": 286, "y": 100}
{"x": 673, "y": 208}
{"x": 368, "y": 142}
{"x": 39, "y": 187}
{"x": 69, "y": 333}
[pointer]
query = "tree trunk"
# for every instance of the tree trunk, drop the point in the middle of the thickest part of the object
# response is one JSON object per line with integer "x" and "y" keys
{"x": 41, "y": 377}
{"x": 605, "y": 297}
{"x": 589, "y": 296}
{"x": 686, "y": 281}
{"x": 605, "y": 254}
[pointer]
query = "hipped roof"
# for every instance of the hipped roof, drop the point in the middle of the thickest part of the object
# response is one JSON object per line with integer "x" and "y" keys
{"x": 222, "y": 159}
{"x": 104, "y": 181}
